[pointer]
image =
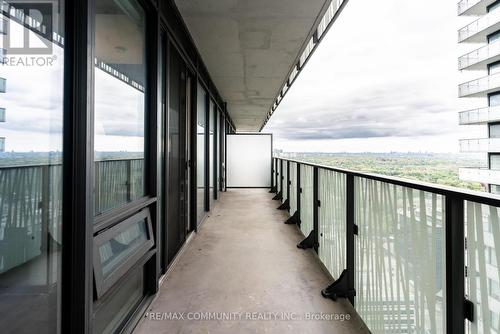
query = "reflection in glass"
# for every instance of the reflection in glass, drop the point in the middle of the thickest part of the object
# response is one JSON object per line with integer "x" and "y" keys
{"x": 120, "y": 74}
{"x": 200, "y": 145}
{"x": 114, "y": 308}
{"x": 31, "y": 174}
{"x": 113, "y": 252}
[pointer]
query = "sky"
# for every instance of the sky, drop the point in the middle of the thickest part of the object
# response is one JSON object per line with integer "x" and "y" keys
{"x": 34, "y": 104}
{"x": 383, "y": 79}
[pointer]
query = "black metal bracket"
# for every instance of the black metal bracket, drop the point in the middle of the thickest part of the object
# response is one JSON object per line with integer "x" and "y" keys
{"x": 285, "y": 205}
{"x": 339, "y": 288}
{"x": 294, "y": 219}
{"x": 273, "y": 190}
{"x": 278, "y": 197}
{"x": 469, "y": 310}
{"x": 308, "y": 242}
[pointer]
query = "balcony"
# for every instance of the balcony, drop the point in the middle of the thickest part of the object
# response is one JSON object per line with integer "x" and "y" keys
{"x": 244, "y": 259}
{"x": 480, "y": 87}
{"x": 362, "y": 229}
{"x": 473, "y": 7}
{"x": 480, "y": 145}
{"x": 477, "y": 31}
{"x": 2, "y": 114}
{"x": 479, "y": 116}
{"x": 478, "y": 59}
{"x": 481, "y": 175}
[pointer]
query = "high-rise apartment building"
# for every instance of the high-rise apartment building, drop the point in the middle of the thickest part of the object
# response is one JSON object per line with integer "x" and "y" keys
{"x": 483, "y": 31}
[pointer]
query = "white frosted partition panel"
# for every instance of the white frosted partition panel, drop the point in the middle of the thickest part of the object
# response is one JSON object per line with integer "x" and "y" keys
{"x": 249, "y": 160}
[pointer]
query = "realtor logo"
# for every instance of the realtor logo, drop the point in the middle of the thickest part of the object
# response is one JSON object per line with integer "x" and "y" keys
{"x": 27, "y": 26}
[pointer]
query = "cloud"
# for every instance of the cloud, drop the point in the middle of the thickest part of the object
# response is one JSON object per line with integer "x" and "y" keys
{"x": 386, "y": 69}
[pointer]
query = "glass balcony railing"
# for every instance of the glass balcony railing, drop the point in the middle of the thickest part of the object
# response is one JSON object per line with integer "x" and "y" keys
{"x": 480, "y": 145}
{"x": 480, "y": 86}
{"x": 479, "y": 116}
{"x": 480, "y": 25}
{"x": 481, "y": 175}
{"x": 480, "y": 55}
{"x": 466, "y": 5}
{"x": 37, "y": 189}
{"x": 2, "y": 114}
{"x": 397, "y": 248}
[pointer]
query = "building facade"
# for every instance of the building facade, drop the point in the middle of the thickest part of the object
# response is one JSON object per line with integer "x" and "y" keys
{"x": 483, "y": 31}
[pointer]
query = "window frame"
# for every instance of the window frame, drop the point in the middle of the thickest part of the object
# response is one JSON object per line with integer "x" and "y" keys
{"x": 103, "y": 284}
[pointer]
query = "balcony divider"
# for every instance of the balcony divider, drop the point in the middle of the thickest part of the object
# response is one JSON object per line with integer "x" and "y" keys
{"x": 410, "y": 256}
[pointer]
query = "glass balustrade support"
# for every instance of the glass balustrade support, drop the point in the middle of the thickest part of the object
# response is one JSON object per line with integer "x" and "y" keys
{"x": 316, "y": 205}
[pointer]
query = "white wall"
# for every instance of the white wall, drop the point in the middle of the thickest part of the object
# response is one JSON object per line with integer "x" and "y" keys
{"x": 249, "y": 160}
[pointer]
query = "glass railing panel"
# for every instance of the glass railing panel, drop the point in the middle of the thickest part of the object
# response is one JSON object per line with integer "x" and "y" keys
{"x": 466, "y": 4}
{"x": 480, "y": 115}
{"x": 480, "y": 145}
{"x": 479, "y": 85}
{"x": 479, "y": 25}
{"x": 306, "y": 199}
{"x": 481, "y": 54}
{"x": 332, "y": 221}
{"x": 293, "y": 187}
{"x": 285, "y": 181}
{"x": 397, "y": 291}
{"x": 482, "y": 231}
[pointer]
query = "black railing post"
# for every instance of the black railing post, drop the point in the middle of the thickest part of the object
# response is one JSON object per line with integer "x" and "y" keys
{"x": 129, "y": 180}
{"x": 455, "y": 265}
{"x": 351, "y": 231}
{"x": 279, "y": 176}
{"x": 299, "y": 189}
{"x": 316, "y": 206}
{"x": 288, "y": 182}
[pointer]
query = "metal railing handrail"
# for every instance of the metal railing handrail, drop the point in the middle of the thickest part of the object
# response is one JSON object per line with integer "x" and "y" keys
{"x": 466, "y": 194}
{"x": 60, "y": 163}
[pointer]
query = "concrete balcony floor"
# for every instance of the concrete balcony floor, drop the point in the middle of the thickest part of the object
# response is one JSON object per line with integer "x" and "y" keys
{"x": 244, "y": 259}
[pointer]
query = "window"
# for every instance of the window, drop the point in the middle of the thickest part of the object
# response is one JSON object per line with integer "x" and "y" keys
{"x": 200, "y": 147}
{"x": 493, "y": 6}
{"x": 494, "y": 100}
{"x": 120, "y": 75}
{"x": 494, "y": 161}
{"x": 494, "y": 288}
{"x": 494, "y": 37}
{"x": 116, "y": 306}
{"x": 494, "y": 130}
{"x": 493, "y": 68}
{"x": 119, "y": 248}
{"x": 31, "y": 170}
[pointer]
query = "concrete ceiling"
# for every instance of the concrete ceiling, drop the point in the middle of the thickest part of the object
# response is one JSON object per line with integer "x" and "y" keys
{"x": 249, "y": 47}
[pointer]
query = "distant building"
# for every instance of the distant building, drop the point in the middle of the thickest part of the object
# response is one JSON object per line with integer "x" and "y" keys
{"x": 485, "y": 30}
